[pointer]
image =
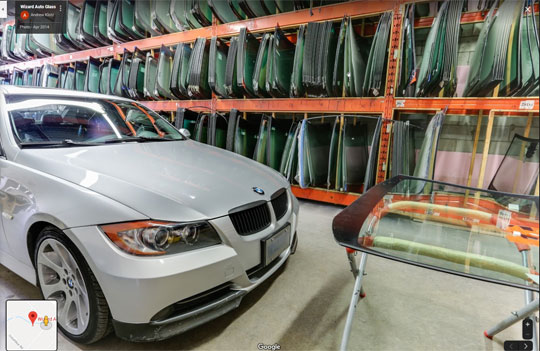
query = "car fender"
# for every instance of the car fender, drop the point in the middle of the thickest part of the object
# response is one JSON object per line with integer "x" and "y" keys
{"x": 28, "y": 196}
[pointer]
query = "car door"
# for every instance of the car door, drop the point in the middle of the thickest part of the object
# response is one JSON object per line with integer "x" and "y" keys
{"x": 17, "y": 204}
{"x": 4, "y": 248}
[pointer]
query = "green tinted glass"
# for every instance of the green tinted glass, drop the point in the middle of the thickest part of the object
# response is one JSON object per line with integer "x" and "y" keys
{"x": 150, "y": 77}
{"x": 88, "y": 20}
{"x": 92, "y": 76}
{"x": 163, "y": 85}
{"x": 277, "y": 141}
{"x": 80, "y": 75}
{"x": 163, "y": 15}
{"x": 113, "y": 77}
{"x": 102, "y": 20}
{"x": 246, "y": 135}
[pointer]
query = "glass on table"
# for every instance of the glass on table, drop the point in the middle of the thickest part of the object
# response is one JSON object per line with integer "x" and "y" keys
{"x": 481, "y": 234}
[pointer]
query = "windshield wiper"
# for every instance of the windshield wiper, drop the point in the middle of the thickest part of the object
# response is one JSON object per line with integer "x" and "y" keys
{"x": 63, "y": 143}
{"x": 70, "y": 143}
{"x": 136, "y": 139}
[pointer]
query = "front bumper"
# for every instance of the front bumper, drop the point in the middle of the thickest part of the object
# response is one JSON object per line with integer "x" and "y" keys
{"x": 139, "y": 289}
{"x": 155, "y": 331}
{"x": 180, "y": 323}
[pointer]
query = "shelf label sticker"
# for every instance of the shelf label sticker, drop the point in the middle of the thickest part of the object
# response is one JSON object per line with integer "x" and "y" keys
{"x": 513, "y": 207}
{"x": 400, "y": 103}
{"x": 526, "y": 105}
{"x": 503, "y": 219}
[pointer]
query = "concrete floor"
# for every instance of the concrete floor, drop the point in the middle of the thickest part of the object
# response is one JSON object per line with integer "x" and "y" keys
{"x": 304, "y": 306}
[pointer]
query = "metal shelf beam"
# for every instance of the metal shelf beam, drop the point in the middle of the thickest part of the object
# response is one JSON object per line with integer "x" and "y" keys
{"x": 304, "y": 105}
{"x": 458, "y": 105}
{"x": 467, "y": 17}
{"x": 351, "y": 105}
{"x": 323, "y": 195}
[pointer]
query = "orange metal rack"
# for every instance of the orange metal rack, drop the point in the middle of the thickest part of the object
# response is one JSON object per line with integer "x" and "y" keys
{"x": 469, "y": 17}
{"x": 300, "y": 105}
{"x": 386, "y": 105}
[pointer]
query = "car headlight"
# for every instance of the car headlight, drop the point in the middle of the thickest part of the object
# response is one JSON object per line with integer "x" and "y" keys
{"x": 160, "y": 238}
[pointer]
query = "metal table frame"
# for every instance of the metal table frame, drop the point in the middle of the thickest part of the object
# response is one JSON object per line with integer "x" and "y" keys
{"x": 358, "y": 271}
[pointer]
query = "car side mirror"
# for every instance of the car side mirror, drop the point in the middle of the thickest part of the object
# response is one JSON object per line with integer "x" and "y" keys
{"x": 185, "y": 132}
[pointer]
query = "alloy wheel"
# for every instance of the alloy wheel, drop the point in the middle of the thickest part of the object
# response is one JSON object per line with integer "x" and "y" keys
{"x": 60, "y": 278}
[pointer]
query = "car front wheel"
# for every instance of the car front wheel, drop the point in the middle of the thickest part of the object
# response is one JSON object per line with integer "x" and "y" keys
{"x": 64, "y": 275}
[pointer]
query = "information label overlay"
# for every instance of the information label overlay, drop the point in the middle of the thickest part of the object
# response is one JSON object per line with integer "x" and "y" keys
{"x": 40, "y": 16}
{"x": 31, "y": 325}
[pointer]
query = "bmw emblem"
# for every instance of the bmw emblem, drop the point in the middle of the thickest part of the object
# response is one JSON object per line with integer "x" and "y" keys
{"x": 258, "y": 190}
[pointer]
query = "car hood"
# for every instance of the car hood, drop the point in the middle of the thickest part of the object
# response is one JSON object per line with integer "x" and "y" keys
{"x": 175, "y": 180}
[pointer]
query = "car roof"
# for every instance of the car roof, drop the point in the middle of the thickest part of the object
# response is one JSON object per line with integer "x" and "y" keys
{"x": 19, "y": 90}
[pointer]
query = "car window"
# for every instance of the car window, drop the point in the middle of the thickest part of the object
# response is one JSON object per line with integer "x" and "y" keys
{"x": 56, "y": 120}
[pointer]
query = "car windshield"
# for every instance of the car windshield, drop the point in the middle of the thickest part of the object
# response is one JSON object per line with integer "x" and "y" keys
{"x": 58, "y": 121}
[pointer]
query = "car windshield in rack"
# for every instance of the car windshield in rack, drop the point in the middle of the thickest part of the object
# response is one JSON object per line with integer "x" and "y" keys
{"x": 51, "y": 121}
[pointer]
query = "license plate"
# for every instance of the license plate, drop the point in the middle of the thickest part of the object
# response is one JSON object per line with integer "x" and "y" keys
{"x": 276, "y": 244}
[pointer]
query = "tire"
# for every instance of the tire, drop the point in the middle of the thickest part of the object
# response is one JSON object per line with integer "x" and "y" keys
{"x": 63, "y": 274}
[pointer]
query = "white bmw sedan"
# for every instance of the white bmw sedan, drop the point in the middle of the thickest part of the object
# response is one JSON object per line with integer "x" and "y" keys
{"x": 126, "y": 222}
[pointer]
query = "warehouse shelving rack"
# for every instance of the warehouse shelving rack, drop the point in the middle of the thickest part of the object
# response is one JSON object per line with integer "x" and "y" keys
{"x": 387, "y": 106}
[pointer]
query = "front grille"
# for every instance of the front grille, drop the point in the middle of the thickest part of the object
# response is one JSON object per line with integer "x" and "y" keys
{"x": 280, "y": 203}
{"x": 251, "y": 220}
